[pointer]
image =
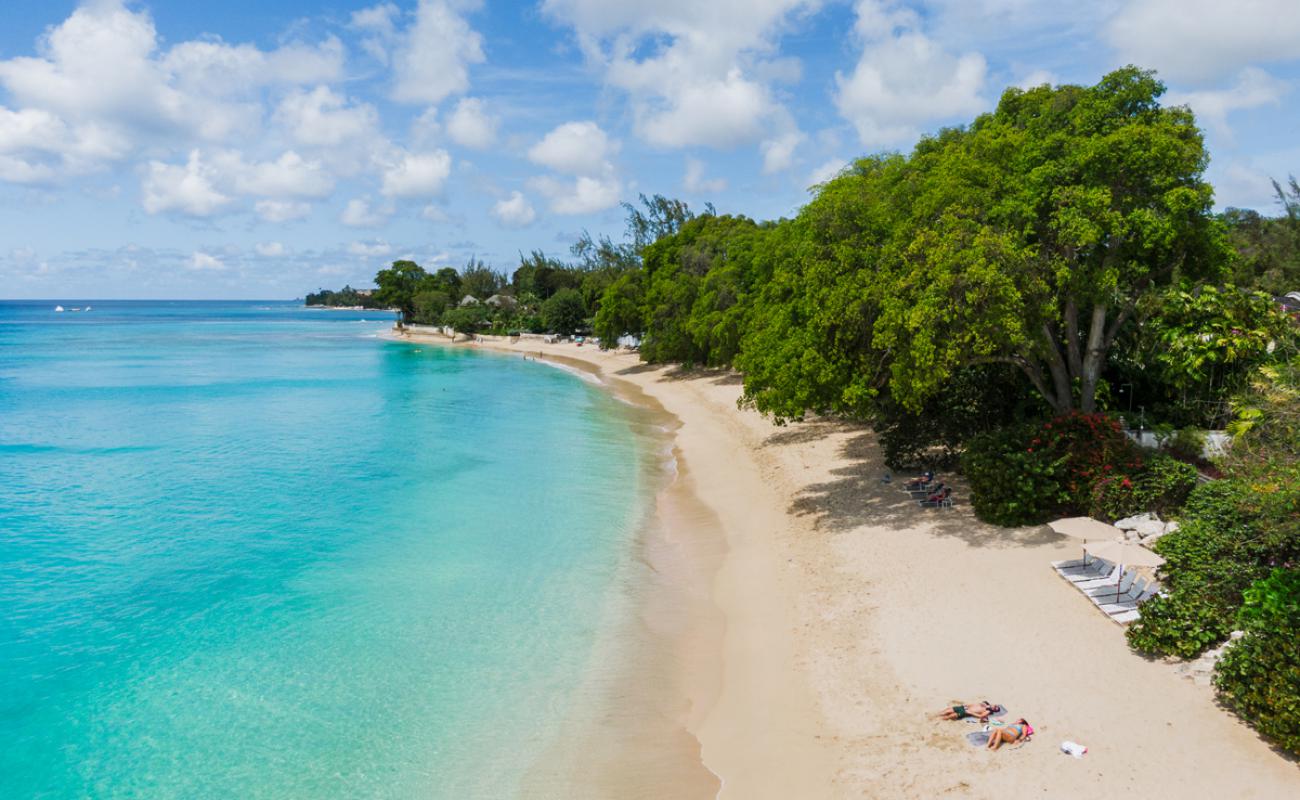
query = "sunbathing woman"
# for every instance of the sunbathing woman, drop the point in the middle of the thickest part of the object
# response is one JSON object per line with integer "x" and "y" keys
{"x": 1018, "y": 732}
{"x": 980, "y": 711}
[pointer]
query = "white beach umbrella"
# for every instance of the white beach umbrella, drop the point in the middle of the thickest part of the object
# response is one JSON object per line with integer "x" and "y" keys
{"x": 1085, "y": 528}
{"x": 1124, "y": 553}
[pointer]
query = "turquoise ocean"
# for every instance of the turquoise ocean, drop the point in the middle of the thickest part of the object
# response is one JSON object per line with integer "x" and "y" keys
{"x": 252, "y": 550}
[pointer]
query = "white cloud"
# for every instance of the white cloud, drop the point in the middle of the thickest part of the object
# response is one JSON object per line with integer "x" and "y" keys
{"x": 575, "y": 148}
{"x": 514, "y": 211}
{"x": 188, "y": 189}
{"x": 695, "y": 182}
{"x": 470, "y": 125}
{"x": 281, "y": 210}
{"x": 201, "y": 261}
{"x": 1198, "y": 40}
{"x": 431, "y": 59}
{"x": 706, "y": 78}
{"x": 369, "y": 249}
{"x": 582, "y": 195}
{"x": 583, "y": 150}
{"x": 826, "y": 171}
{"x": 360, "y": 214}
{"x": 270, "y": 249}
{"x": 904, "y": 79}
{"x": 417, "y": 174}
{"x": 323, "y": 118}
{"x": 288, "y": 176}
{"x": 109, "y": 88}
{"x": 434, "y": 214}
{"x": 717, "y": 113}
{"x": 213, "y": 67}
{"x": 778, "y": 153}
{"x": 1254, "y": 88}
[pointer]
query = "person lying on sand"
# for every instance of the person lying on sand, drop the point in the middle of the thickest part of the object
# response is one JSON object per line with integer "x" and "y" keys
{"x": 1015, "y": 733}
{"x": 981, "y": 711}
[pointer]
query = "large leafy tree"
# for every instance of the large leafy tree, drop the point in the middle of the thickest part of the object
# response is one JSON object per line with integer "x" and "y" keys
{"x": 398, "y": 286}
{"x": 1036, "y": 233}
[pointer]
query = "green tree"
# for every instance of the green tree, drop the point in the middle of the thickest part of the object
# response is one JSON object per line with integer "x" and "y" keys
{"x": 620, "y": 311}
{"x": 429, "y": 305}
{"x": 1037, "y": 233}
{"x": 466, "y": 319}
{"x": 398, "y": 286}
{"x": 564, "y": 312}
{"x": 480, "y": 280}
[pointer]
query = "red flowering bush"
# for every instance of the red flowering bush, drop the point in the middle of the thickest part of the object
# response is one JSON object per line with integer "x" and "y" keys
{"x": 1075, "y": 463}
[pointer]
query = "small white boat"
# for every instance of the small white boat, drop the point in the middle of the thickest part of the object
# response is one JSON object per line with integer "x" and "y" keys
{"x": 58, "y": 308}
{"x": 87, "y": 308}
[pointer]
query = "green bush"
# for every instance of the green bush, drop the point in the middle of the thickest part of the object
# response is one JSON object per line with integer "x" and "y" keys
{"x": 1012, "y": 484}
{"x": 1232, "y": 533}
{"x": 1259, "y": 675}
{"x": 1028, "y": 474}
{"x": 1161, "y": 485}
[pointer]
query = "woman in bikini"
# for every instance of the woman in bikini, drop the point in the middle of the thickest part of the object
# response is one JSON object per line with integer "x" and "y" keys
{"x": 981, "y": 711}
{"x": 1015, "y": 733}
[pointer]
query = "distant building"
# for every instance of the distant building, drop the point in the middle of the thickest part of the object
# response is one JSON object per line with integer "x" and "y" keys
{"x": 501, "y": 301}
{"x": 468, "y": 300}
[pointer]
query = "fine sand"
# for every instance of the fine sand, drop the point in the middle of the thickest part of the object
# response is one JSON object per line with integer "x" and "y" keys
{"x": 842, "y": 615}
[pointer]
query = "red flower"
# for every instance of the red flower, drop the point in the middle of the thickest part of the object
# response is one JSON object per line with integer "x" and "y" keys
{"x": 1126, "y": 483}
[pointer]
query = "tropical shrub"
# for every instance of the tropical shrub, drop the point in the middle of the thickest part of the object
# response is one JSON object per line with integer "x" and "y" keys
{"x": 1028, "y": 474}
{"x": 1161, "y": 485}
{"x": 1259, "y": 675}
{"x": 1232, "y": 533}
{"x": 1012, "y": 484}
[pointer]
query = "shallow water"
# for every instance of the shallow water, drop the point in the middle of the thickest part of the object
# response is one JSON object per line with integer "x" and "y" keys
{"x": 251, "y": 550}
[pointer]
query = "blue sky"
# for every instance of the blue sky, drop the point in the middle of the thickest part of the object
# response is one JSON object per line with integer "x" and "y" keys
{"x": 265, "y": 149}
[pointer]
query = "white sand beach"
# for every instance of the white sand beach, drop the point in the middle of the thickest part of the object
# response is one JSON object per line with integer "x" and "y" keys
{"x": 848, "y": 615}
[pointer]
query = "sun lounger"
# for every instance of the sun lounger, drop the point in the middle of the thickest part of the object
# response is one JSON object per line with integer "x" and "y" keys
{"x": 1109, "y": 582}
{"x": 941, "y": 499}
{"x": 1106, "y": 572}
{"x": 1073, "y": 564}
{"x": 1091, "y": 569}
{"x": 1129, "y": 604}
{"x": 1109, "y": 588}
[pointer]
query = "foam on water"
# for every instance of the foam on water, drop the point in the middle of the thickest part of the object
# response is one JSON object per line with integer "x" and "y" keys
{"x": 248, "y": 552}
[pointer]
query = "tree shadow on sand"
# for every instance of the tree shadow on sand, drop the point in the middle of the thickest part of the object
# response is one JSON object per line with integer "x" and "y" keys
{"x": 857, "y": 496}
{"x": 670, "y": 372}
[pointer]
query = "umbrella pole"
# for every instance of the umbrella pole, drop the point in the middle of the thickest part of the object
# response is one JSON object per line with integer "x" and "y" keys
{"x": 1118, "y": 581}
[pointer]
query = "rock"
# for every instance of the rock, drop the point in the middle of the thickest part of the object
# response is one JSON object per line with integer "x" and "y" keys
{"x": 1150, "y": 527}
{"x": 1131, "y": 523}
{"x": 1170, "y": 527}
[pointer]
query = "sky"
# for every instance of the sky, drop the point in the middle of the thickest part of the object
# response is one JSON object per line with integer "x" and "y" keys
{"x": 261, "y": 149}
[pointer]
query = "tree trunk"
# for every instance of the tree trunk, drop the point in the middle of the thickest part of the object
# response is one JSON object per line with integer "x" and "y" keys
{"x": 1094, "y": 359}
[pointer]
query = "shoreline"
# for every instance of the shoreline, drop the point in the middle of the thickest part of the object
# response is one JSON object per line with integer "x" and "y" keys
{"x": 849, "y": 615}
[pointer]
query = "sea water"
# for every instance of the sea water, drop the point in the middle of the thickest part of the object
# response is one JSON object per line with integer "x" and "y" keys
{"x": 251, "y": 550}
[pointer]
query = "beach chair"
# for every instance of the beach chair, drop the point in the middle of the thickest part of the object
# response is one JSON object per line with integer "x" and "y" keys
{"x": 1099, "y": 568}
{"x": 926, "y": 490}
{"x": 941, "y": 499}
{"x": 1072, "y": 564}
{"x": 1107, "y": 576}
{"x": 1091, "y": 567}
{"x": 920, "y": 483}
{"x": 1126, "y": 605}
{"x": 1124, "y": 581}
